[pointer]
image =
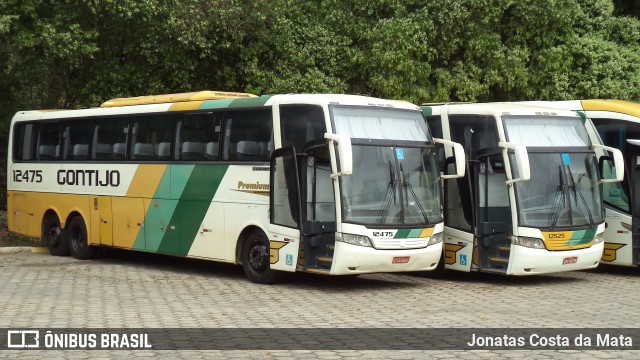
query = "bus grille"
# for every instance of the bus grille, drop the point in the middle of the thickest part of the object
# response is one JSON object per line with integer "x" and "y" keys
{"x": 398, "y": 244}
{"x": 564, "y": 245}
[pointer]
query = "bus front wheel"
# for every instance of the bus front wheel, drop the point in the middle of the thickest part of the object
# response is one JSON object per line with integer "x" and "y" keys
{"x": 78, "y": 241}
{"x": 52, "y": 236}
{"x": 256, "y": 260}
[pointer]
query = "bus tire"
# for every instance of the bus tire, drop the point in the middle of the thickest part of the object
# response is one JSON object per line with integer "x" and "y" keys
{"x": 53, "y": 236}
{"x": 77, "y": 240}
{"x": 256, "y": 260}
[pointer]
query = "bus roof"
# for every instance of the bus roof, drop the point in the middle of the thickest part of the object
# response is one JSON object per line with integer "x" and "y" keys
{"x": 202, "y": 101}
{"x": 497, "y": 109}
{"x": 173, "y": 98}
{"x": 619, "y": 106}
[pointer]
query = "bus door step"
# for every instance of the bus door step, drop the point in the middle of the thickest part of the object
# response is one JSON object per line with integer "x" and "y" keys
{"x": 499, "y": 263}
{"x": 319, "y": 271}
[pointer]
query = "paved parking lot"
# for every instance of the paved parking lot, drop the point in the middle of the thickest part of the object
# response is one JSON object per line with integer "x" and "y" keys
{"x": 133, "y": 290}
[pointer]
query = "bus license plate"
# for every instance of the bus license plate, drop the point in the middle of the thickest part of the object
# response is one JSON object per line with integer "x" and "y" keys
{"x": 400, "y": 259}
{"x": 570, "y": 260}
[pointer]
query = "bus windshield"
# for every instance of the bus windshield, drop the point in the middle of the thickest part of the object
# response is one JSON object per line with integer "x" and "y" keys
{"x": 392, "y": 186}
{"x": 564, "y": 187}
{"x": 563, "y": 191}
{"x": 395, "y": 178}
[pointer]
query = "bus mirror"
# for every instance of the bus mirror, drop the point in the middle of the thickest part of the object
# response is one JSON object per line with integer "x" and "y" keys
{"x": 458, "y": 153}
{"x": 635, "y": 142}
{"x": 345, "y": 156}
{"x": 521, "y": 157}
{"x": 618, "y": 163}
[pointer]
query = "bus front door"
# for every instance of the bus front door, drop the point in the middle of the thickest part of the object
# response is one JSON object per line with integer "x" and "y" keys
{"x": 492, "y": 215}
{"x": 284, "y": 210}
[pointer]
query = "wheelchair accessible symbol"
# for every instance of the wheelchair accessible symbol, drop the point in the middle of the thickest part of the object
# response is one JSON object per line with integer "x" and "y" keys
{"x": 289, "y": 259}
{"x": 463, "y": 259}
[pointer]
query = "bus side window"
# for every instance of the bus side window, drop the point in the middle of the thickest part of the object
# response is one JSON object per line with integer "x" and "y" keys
{"x": 24, "y": 141}
{"x": 110, "y": 139}
{"x": 48, "y": 147}
{"x": 198, "y": 137}
{"x": 76, "y": 139}
{"x": 301, "y": 124}
{"x": 151, "y": 136}
{"x": 614, "y": 133}
{"x": 248, "y": 135}
{"x": 435, "y": 126}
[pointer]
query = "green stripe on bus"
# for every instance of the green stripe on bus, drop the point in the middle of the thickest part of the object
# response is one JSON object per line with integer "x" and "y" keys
{"x": 157, "y": 223}
{"x": 216, "y": 104}
{"x": 235, "y": 103}
{"x": 583, "y": 116}
{"x": 402, "y": 233}
{"x": 414, "y": 233}
{"x": 157, "y": 220}
{"x": 426, "y": 110}
{"x": 580, "y": 237}
{"x": 248, "y": 102}
{"x": 180, "y": 176}
{"x": 191, "y": 208}
{"x": 152, "y": 212}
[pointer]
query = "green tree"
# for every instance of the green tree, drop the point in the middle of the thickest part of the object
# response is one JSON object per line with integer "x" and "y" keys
{"x": 627, "y": 7}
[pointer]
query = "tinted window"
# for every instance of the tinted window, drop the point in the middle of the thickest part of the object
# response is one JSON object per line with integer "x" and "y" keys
{"x": 24, "y": 141}
{"x": 301, "y": 124}
{"x": 476, "y": 133}
{"x": 199, "y": 137}
{"x": 48, "y": 147}
{"x": 77, "y": 137}
{"x": 110, "y": 139}
{"x": 435, "y": 126}
{"x": 615, "y": 133}
{"x": 151, "y": 137}
{"x": 248, "y": 135}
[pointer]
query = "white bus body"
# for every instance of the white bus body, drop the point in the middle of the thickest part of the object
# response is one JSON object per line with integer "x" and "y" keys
{"x": 615, "y": 123}
{"x": 333, "y": 184}
{"x": 530, "y": 202}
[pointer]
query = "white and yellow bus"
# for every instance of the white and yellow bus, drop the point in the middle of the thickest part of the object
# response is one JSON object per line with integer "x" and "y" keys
{"x": 331, "y": 184}
{"x": 531, "y": 199}
{"x": 616, "y": 123}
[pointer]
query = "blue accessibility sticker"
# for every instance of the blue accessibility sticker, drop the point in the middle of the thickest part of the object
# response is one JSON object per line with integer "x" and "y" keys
{"x": 400, "y": 154}
{"x": 566, "y": 159}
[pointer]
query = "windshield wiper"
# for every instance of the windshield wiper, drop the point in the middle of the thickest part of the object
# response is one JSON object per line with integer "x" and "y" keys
{"x": 575, "y": 187}
{"x": 389, "y": 196}
{"x": 408, "y": 186}
{"x": 559, "y": 199}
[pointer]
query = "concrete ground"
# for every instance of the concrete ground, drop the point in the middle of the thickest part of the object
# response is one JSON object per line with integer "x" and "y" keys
{"x": 134, "y": 290}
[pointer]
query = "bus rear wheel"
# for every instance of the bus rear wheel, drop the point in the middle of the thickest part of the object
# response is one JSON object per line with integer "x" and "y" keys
{"x": 256, "y": 260}
{"x": 52, "y": 236}
{"x": 78, "y": 241}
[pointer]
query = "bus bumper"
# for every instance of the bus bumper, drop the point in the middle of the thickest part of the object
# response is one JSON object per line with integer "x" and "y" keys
{"x": 353, "y": 259}
{"x": 528, "y": 261}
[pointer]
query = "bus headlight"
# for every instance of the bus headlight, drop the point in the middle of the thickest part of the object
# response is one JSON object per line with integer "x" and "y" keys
{"x": 359, "y": 240}
{"x": 598, "y": 238}
{"x": 529, "y": 242}
{"x": 435, "y": 238}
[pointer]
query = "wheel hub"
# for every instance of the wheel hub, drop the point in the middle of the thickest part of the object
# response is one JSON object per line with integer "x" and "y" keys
{"x": 258, "y": 256}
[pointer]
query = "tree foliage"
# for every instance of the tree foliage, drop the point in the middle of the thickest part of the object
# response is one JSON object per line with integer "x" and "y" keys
{"x": 73, "y": 53}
